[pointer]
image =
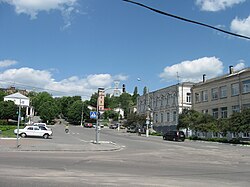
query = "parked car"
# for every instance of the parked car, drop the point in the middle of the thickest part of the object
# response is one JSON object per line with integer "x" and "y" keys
{"x": 35, "y": 131}
{"x": 88, "y": 125}
{"x": 174, "y": 135}
{"x": 113, "y": 126}
{"x": 132, "y": 129}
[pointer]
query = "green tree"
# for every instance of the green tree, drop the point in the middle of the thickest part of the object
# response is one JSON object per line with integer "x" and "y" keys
{"x": 110, "y": 114}
{"x": 48, "y": 111}
{"x": 135, "y": 95}
{"x": 8, "y": 110}
{"x": 125, "y": 101}
{"x": 2, "y": 95}
{"x": 75, "y": 112}
{"x": 135, "y": 119}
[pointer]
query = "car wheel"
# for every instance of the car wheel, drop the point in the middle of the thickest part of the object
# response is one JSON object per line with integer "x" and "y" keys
{"x": 45, "y": 136}
{"x": 23, "y": 135}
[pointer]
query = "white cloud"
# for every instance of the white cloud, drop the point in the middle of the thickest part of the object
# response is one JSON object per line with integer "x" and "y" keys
{"x": 33, "y": 7}
{"x": 7, "y": 63}
{"x": 193, "y": 70}
{"x": 241, "y": 65}
{"x": 42, "y": 80}
{"x": 217, "y": 5}
{"x": 241, "y": 26}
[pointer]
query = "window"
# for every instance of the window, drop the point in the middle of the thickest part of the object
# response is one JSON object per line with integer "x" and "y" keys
{"x": 246, "y": 106}
{"x": 174, "y": 116}
{"x": 197, "y": 97}
{"x": 245, "y": 135}
{"x": 204, "y": 95}
{"x": 223, "y": 92}
{"x": 215, "y": 113}
{"x": 214, "y": 94}
{"x": 156, "y": 118}
{"x": 235, "y": 108}
{"x": 162, "y": 118}
{"x": 188, "y": 97}
{"x": 168, "y": 117}
{"x": 205, "y": 111}
{"x": 235, "y": 89}
{"x": 246, "y": 86}
{"x": 224, "y": 112}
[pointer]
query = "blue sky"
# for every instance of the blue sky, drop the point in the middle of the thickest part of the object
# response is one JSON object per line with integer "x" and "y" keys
{"x": 76, "y": 46}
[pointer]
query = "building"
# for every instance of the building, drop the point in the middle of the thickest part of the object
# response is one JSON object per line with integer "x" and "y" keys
{"x": 12, "y": 90}
{"x": 222, "y": 96}
{"x": 101, "y": 97}
{"x": 163, "y": 106}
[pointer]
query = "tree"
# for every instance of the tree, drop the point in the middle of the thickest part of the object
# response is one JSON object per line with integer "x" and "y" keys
{"x": 110, "y": 114}
{"x": 75, "y": 112}
{"x": 240, "y": 122}
{"x": 48, "y": 111}
{"x": 135, "y": 95}
{"x": 135, "y": 119}
{"x": 2, "y": 95}
{"x": 8, "y": 110}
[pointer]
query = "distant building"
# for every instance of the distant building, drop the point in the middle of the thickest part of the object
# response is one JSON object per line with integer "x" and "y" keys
{"x": 164, "y": 106}
{"x": 12, "y": 90}
{"x": 101, "y": 97}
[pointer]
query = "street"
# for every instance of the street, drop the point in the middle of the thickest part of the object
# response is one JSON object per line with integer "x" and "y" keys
{"x": 135, "y": 161}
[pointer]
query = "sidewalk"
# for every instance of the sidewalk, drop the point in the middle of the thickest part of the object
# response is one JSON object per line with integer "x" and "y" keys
{"x": 37, "y": 144}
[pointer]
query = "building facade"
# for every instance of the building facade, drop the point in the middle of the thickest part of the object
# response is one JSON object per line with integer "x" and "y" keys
{"x": 222, "y": 96}
{"x": 163, "y": 106}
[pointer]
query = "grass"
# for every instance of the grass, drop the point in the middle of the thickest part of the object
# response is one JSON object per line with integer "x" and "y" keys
{"x": 8, "y": 131}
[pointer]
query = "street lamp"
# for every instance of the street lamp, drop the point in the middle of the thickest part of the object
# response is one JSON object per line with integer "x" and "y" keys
{"x": 147, "y": 110}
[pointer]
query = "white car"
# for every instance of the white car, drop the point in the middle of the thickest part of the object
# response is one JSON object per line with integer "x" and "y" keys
{"x": 35, "y": 131}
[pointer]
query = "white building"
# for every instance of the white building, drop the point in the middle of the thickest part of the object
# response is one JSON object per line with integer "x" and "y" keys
{"x": 164, "y": 106}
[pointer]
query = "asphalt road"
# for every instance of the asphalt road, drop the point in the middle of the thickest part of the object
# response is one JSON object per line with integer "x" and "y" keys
{"x": 139, "y": 161}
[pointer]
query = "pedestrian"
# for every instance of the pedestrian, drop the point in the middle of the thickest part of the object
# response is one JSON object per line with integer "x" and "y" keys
{"x": 139, "y": 131}
{"x": 66, "y": 128}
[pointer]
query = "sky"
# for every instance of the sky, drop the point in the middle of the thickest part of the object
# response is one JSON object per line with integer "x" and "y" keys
{"x": 73, "y": 47}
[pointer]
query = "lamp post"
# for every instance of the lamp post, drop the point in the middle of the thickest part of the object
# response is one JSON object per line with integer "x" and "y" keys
{"x": 147, "y": 110}
{"x": 18, "y": 123}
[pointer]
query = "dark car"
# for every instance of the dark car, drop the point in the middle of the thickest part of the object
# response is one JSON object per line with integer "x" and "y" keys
{"x": 132, "y": 129}
{"x": 113, "y": 126}
{"x": 174, "y": 135}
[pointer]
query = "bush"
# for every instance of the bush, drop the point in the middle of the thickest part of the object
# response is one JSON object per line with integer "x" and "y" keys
{"x": 195, "y": 138}
{"x": 3, "y": 122}
{"x": 155, "y": 134}
{"x": 235, "y": 141}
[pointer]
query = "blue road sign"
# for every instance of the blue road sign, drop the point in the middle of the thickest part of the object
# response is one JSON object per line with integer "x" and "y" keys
{"x": 93, "y": 114}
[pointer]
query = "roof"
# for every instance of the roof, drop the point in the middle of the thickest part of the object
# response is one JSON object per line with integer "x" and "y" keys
{"x": 17, "y": 96}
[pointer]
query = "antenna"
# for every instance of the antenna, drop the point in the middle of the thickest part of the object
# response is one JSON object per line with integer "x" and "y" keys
{"x": 178, "y": 77}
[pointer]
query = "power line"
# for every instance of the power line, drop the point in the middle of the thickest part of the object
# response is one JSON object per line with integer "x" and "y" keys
{"x": 187, "y": 20}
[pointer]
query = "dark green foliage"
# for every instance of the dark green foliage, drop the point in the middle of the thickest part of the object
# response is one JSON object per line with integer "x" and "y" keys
{"x": 135, "y": 119}
{"x": 8, "y": 110}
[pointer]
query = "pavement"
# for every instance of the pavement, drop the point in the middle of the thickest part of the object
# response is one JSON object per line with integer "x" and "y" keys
{"x": 40, "y": 144}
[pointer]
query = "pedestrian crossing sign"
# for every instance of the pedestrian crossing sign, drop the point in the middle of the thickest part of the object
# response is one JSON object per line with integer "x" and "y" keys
{"x": 93, "y": 114}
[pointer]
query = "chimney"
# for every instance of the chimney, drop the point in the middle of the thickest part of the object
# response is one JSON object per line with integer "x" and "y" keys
{"x": 231, "y": 69}
{"x": 204, "y": 78}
